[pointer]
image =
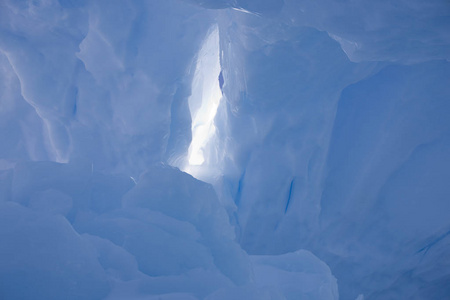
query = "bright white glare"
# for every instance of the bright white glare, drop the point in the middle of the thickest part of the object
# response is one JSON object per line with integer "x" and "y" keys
{"x": 205, "y": 98}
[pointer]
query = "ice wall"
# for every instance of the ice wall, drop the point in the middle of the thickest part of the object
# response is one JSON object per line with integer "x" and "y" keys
{"x": 319, "y": 131}
{"x": 339, "y": 140}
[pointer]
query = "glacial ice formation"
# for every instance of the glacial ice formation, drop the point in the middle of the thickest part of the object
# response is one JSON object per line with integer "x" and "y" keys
{"x": 224, "y": 149}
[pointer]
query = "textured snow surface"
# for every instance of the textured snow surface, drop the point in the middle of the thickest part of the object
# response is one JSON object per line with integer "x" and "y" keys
{"x": 224, "y": 149}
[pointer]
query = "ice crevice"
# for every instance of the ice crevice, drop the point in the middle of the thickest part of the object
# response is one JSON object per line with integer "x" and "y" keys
{"x": 203, "y": 104}
{"x": 224, "y": 149}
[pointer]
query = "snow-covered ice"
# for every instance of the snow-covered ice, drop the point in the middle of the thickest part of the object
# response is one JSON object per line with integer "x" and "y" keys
{"x": 224, "y": 149}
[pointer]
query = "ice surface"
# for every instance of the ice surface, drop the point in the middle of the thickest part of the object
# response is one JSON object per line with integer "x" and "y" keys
{"x": 224, "y": 149}
{"x": 43, "y": 257}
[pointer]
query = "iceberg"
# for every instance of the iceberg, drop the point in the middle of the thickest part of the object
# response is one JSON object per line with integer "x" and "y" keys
{"x": 224, "y": 149}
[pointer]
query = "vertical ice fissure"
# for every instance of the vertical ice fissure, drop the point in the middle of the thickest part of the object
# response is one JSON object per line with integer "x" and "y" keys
{"x": 204, "y": 101}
